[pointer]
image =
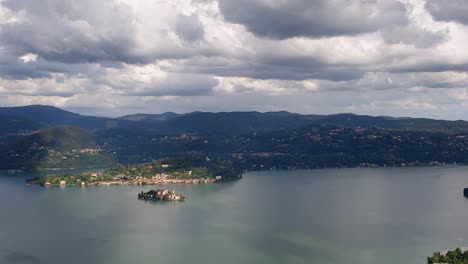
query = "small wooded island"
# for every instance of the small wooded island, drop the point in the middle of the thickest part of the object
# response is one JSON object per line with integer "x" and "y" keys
{"x": 456, "y": 256}
{"x": 160, "y": 195}
{"x": 165, "y": 171}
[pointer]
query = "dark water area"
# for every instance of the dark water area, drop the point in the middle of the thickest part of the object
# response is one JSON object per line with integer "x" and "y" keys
{"x": 372, "y": 215}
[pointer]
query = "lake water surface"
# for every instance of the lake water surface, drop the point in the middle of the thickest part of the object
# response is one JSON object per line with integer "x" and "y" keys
{"x": 382, "y": 215}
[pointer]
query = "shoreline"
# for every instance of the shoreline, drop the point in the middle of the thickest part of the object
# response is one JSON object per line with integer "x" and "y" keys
{"x": 141, "y": 181}
{"x": 62, "y": 182}
{"x": 405, "y": 165}
{"x": 133, "y": 183}
{"x": 362, "y": 167}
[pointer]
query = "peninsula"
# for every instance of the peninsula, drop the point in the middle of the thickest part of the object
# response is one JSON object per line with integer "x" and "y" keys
{"x": 184, "y": 170}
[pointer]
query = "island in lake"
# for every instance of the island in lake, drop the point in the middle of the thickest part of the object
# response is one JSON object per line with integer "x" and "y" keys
{"x": 160, "y": 195}
{"x": 182, "y": 170}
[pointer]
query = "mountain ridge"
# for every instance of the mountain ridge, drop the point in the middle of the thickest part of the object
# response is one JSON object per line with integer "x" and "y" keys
{"x": 235, "y": 122}
{"x": 49, "y": 137}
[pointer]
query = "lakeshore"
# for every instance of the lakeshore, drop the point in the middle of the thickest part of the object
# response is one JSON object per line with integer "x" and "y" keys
{"x": 96, "y": 179}
{"x": 167, "y": 171}
{"x": 136, "y": 175}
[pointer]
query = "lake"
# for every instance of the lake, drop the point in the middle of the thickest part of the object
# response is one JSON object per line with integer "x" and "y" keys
{"x": 371, "y": 215}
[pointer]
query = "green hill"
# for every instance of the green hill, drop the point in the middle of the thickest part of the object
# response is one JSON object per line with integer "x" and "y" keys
{"x": 13, "y": 124}
{"x": 56, "y": 147}
{"x": 63, "y": 138}
{"x": 237, "y": 123}
{"x": 48, "y": 116}
{"x": 150, "y": 117}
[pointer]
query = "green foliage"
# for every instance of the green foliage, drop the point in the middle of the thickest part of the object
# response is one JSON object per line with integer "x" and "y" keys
{"x": 456, "y": 256}
{"x": 57, "y": 147}
{"x": 12, "y": 124}
{"x": 183, "y": 167}
{"x": 310, "y": 147}
{"x": 64, "y": 138}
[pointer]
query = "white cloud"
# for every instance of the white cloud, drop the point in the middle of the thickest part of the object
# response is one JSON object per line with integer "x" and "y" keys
{"x": 28, "y": 57}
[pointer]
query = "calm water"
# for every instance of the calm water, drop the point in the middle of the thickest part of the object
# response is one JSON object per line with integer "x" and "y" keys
{"x": 385, "y": 215}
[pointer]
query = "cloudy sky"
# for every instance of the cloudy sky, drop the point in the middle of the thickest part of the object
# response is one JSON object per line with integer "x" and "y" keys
{"x": 114, "y": 57}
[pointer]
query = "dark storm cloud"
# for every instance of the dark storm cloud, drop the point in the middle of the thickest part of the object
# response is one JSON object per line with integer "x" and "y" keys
{"x": 431, "y": 66}
{"x": 176, "y": 85}
{"x": 14, "y": 68}
{"x": 264, "y": 67}
{"x": 65, "y": 94}
{"x": 189, "y": 27}
{"x": 316, "y": 18}
{"x": 420, "y": 38}
{"x": 448, "y": 10}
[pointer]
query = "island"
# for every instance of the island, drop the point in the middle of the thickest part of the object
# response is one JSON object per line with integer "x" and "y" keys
{"x": 163, "y": 171}
{"x": 456, "y": 256}
{"x": 160, "y": 195}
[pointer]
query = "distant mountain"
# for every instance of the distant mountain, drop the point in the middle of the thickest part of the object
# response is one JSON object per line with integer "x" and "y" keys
{"x": 230, "y": 123}
{"x": 224, "y": 123}
{"x": 47, "y": 116}
{"x": 402, "y": 123}
{"x": 151, "y": 117}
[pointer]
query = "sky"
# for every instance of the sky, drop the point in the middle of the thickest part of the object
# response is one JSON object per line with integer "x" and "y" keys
{"x": 117, "y": 57}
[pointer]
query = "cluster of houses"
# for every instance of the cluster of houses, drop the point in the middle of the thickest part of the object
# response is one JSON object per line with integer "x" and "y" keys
{"x": 90, "y": 151}
{"x": 160, "y": 178}
{"x": 124, "y": 180}
{"x": 151, "y": 181}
